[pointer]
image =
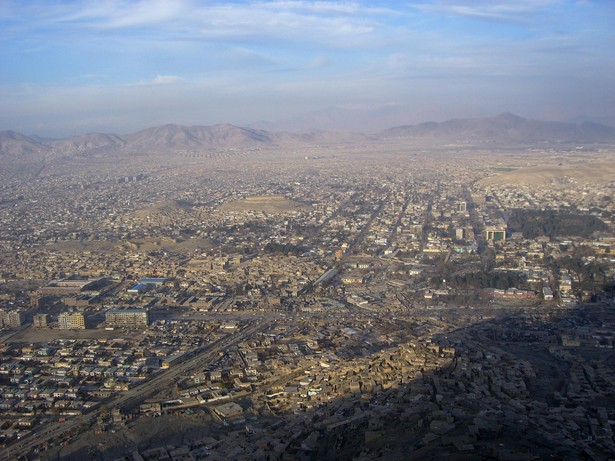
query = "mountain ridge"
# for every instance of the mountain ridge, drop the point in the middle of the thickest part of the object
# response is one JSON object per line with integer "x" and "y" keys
{"x": 505, "y": 128}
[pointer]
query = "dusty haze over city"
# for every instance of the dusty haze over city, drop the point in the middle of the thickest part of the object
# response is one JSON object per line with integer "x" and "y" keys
{"x": 307, "y": 230}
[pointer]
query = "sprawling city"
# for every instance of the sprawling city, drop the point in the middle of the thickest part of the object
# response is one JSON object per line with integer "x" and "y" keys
{"x": 342, "y": 302}
{"x": 307, "y": 230}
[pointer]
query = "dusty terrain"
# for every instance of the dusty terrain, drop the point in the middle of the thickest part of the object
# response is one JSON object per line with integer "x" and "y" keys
{"x": 269, "y": 204}
{"x": 552, "y": 173}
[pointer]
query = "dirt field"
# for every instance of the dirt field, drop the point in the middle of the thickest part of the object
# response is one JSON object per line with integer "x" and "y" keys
{"x": 32, "y": 335}
{"x": 273, "y": 204}
{"x": 550, "y": 174}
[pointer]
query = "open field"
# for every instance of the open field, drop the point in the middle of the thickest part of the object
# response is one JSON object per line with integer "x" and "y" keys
{"x": 33, "y": 335}
{"x": 553, "y": 173}
{"x": 269, "y": 204}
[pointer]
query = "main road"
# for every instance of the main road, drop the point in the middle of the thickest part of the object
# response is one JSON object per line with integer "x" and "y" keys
{"x": 201, "y": 357}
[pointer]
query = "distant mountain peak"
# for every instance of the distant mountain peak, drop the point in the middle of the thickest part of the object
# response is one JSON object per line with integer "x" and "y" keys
{"x": 14, "y": 135}
{"x": 505, "y": 128}
{"x": 509, "y": 116}
{"x": 17, "y": 144}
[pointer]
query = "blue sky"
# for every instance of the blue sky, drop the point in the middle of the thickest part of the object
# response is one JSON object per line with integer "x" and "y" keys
{"x": 70, "y": 67}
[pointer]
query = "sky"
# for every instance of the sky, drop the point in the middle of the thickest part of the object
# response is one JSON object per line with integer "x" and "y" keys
{"x": 78, "y": 66}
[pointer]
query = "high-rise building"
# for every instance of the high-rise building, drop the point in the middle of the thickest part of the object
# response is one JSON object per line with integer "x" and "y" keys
{"x": 68, "y": 321}
{"x": 495, "y": 234}
{"x": 131, "y": 318}
{"x": 11, "y": 319}
{"x": 40, "y": 320}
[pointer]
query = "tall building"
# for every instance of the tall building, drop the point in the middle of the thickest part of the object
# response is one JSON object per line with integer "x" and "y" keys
{"x": 68, "y": 321}
{"x": 40, "y": 320}
{"x": 495, "y": 234}
{"x": 11, "y": 319}
{"x": 131, "y": 318}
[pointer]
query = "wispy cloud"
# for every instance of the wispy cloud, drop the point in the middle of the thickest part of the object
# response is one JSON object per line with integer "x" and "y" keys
{"x": 121, "y": 14}
{"x": 185, "y": 19}
{"x": 166, "y": 79}
{"x": 212, "y": 61}
{"x": 495, "y": 10}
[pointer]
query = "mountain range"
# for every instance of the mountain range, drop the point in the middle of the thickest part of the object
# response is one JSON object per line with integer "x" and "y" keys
{"x": 504, "y": 129}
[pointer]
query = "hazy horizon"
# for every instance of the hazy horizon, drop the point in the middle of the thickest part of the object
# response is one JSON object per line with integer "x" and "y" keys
{"x": 74, "y": 67}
